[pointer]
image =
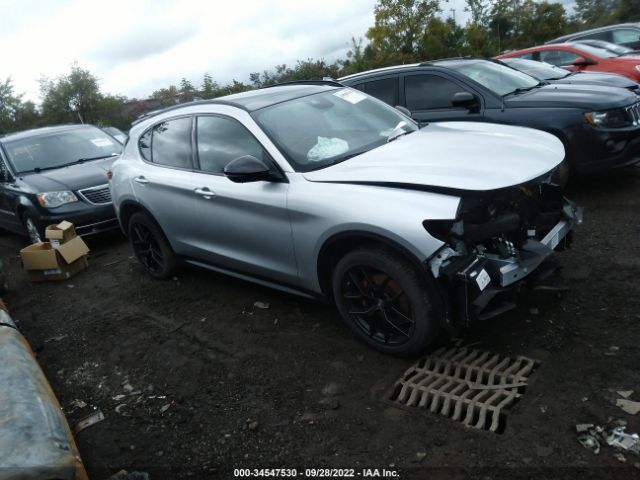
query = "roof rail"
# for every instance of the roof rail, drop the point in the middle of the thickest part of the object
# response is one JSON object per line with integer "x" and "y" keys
{"x": 158, "y": 111}
{"x": 465, "y": 57}
{"x": 333, "y": 83}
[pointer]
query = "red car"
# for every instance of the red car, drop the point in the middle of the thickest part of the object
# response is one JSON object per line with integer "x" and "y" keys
{"x": 581, "y": 57}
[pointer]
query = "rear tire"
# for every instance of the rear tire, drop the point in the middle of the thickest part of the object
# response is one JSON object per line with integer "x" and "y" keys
{"x": 151, "y": 247}
{"x": 385, "y": 301}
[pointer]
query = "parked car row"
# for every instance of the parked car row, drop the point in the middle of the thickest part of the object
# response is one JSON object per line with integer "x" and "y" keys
{"x": 417, "y": 198}
{"x": 599, "y": 126}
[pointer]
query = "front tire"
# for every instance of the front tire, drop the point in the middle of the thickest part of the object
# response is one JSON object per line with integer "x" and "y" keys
{"x": 385, "y": 301}
{"x": 151, "y": 247}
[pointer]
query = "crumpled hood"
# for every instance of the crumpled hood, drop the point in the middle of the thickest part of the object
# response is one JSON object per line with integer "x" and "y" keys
{"x": 456, "y": 155}
{"x": 73, "y": 177}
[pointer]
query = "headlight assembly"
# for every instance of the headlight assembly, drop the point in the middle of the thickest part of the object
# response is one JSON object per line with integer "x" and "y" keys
{"x": 56, "y": 199}
{"x": 617, "y": 118}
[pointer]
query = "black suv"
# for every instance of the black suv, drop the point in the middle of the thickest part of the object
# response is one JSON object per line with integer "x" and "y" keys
{"x": 57, "y": 173}
{"x": 599, "y": 126}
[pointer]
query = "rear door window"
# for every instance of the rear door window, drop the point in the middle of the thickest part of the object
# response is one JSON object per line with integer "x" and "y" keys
{"x": 429, "y": 92}
{"x": 385, "y": 89}
{"x": 170, "y": 143}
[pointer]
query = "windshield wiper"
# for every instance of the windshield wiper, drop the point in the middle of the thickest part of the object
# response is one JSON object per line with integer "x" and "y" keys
{"x": 398, "y": 132}
{"x": 75, "y": 162}
{"x": 88, "y": 159}
{"x": 524, "y": 89}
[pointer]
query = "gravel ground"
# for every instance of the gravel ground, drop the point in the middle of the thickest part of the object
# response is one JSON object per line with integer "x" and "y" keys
{"x": 194, "y": 380}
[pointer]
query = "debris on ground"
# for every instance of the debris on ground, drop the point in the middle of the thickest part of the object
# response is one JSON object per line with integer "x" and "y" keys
{"x": 613, "y": 351}
{"x": 88, "y": 421}
{"x": 124, "y": 475}
{"x": 534, "y": 311}
{"x": 75, "y": 405}
{"x": 252, "y": 425}
{"x": 56, "y": 338}
{"x": 262, "y": 305}
{"x": 592, "y": 436}
{"x": 620, "y": 457}
{"x": 589, "y": 442}
{"x": 618, "y": 438}
{"x": 624, "y": 393}
{"x": 629, "y": 406}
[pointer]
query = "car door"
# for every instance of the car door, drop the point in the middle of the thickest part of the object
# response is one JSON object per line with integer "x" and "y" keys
{"x": 243, "y": 227}
{"x": 164, "y": 181}
{"x": 428, "y": 96}
{"x": 8, "y": 198}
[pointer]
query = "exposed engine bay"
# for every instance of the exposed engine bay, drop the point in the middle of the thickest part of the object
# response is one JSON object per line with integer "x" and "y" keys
{"x": 498, "y": 239}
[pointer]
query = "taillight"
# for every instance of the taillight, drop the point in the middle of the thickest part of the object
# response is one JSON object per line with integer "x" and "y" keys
{"x": 109, "y": 174}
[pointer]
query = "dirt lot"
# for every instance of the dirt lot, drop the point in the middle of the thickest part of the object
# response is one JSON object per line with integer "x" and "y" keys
{"x": 213, "y": 383}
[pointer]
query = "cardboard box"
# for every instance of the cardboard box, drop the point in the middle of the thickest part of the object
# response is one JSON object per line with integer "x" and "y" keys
{"x": 62, "y": 272}
{"x": 61, "y": 233}
{"x": 59, "y": 259}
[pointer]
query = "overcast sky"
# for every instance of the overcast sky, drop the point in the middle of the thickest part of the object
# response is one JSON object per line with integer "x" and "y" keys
{"x": 135, "y": 47}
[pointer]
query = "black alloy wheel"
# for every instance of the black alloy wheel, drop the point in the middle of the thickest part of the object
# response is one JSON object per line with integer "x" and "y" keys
{"x": 378, "y": 305}
{"x": 151, "y": 247}
{"x": 385, "y": 301}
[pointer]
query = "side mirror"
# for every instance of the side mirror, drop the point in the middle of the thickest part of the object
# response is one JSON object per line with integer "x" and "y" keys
{"x": 249, "y": 169}
{"x": 583, "y": 62}
{"x": 404, "y": 110}
{"x": 464, "y": 99}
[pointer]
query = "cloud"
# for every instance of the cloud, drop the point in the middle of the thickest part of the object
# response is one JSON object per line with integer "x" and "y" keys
{"x": 138, "y": 46}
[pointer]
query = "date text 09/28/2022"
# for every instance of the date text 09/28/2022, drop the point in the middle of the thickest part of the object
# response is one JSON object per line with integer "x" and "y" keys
{"x": 316, "y": 473}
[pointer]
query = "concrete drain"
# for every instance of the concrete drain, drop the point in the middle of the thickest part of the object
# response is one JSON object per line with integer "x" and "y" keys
{"x": 474, "y": 387}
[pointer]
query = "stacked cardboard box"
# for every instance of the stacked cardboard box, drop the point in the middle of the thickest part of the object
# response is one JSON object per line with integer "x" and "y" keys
{"x": 64, "y": 255}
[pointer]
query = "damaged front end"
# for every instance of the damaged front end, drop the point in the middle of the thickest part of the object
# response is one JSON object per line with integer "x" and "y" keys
{"x": 497, "y": 240}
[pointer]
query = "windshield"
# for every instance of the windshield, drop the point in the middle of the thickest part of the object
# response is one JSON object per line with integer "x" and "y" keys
{"x": 60, "y": 148}
{"x": 498, "y": 78}
{"x": 326, "y": 128}
{"x": 611, "y": 47}
{"x": 539, "y": 70}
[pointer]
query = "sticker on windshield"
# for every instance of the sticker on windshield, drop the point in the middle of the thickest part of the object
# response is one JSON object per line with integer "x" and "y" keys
{"x": 351, "y": 96}
{"x": 101, "y": 142}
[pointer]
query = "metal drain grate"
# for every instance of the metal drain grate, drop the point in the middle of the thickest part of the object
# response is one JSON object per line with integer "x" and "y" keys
{"x": 466, "y": 385}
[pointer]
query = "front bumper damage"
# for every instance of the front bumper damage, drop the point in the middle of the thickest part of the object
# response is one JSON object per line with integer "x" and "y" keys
{"x": 480, "y": 278}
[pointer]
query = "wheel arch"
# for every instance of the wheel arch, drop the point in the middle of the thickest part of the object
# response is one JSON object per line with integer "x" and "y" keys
{"x": 339, "y": 244}
{"x": 127, "y": 209}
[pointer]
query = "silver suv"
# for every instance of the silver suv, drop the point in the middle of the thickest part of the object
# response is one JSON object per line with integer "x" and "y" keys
{"x": 324, "y": 191}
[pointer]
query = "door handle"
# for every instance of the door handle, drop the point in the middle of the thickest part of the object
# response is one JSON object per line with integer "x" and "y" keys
{"x": 205, "y": 192}
{"x": 141, "y": 180}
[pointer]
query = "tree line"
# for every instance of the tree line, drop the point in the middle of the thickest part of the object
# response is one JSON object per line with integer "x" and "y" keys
{"x": 404, "y": 31}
